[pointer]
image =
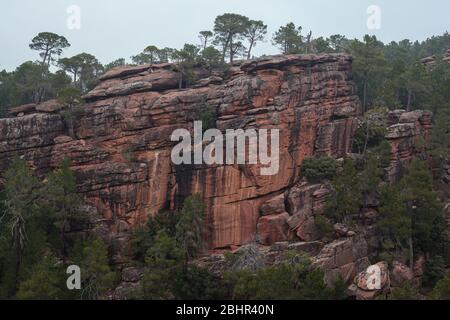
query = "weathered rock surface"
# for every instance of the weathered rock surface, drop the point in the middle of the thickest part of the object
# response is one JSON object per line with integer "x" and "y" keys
{"x": 120, "y": 147}
{"x": 343, "y": 258}
{"x": 408, "y": 135}
{"x": 400, "y": 274}
{"x": 430, "y": 62}
{"x": 273, "y": 228}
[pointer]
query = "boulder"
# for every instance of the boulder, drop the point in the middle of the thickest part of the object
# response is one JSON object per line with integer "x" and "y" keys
{"x": 50, "y": 106}
{"x": 132, "y": 274}
{"x": 340, "y": 229}
{"x": 400, "y": 274}
{"x": 343, "y": 258}
{"x": 22, "y": 110}
{"x": 273, "y": 228}
{"x": 273, "y": 206}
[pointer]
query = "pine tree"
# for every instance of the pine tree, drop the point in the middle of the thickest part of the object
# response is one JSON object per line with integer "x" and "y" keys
{"x": 347, "y": 198}
{"x": 189, "y": 230}
{"x": 91, "y": 255}
{"x": 163, "y": 261}
{"x": 63, "y": 201}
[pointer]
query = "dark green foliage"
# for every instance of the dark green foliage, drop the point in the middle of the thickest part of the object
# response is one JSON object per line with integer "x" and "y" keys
{"x": 63, "y": 203}
{"x": 411, "y": 217}
{"x": 370, "y": 180}
{"x": 189, "y": 229}
{"x": 164, "y": 260}
{"x": 84, "y": 69}
{"x": 194, "y": 283}
{"x": 114, "y": 64}
{"x": 433, "y": 272}
{"x": 293, "y": 279}
{"x": 422, "y": 205}
{"x": 21, "y": 206}
{"x": 369, "y": 64}
{"x": 288, "y": 38}
{"x": 144, "y": 236}
{"x": 347, "y": 198}
{"x": 229, "y": 30}
{"x": 69, "y": 96}
{"x": 27, "y": 85}
{"x": 35, "y": 219}
{"x": 406, "y": 292}
{"x": 323, "y": 225}
{"x": 167, "y": 276}
{"x": 91, "y": 255}
{"x": 368, "y": 136}
{"x": 395, "y": 225}
{"x": 442, "y": 289}
{"x": 319, "y": 169}
{"x": 208, "y": 117}
{"x": 382, "y": 152}
{"x": 47, "y": 281}
{"x": 212, "y": 58}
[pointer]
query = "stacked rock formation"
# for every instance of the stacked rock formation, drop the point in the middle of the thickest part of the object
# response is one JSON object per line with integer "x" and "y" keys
{"x": 408, "y": 134}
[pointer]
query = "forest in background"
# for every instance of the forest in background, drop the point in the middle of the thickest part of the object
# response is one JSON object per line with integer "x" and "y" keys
{"x": 36, "y": 214}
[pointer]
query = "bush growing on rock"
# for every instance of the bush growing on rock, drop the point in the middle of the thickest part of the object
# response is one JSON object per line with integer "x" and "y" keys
{"x": 97, "y": 276}
{"x": 347, "y": 198}
{"x": 144, "y": 236}
{"x": 406, "y": 292}
{"x": 434, "y": 271}
{"x": 47, "y": 281}
{"x": 319, "y": 169}
{"x": 324, "y": 226}
{"x": 293, "y": 279}
{"x": 442, "y": 289}
{"x": 189, "y": 229}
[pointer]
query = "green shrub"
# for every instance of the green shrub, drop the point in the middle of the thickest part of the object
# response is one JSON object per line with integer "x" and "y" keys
{"x": 319, "y": 169}
{"x": 368, "y": 136}
{"x": 324, "y": 226}
{"x": 442, "y": 289}
{"x": 406, "y": 292}
{"x": 434, "y": 271}
{"x": 207, "y": 115}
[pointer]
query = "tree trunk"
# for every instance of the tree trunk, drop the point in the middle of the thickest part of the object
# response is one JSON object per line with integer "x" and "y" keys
{"x": 231, "y": 52}
{"x": 18, "y": 259}
{"x": 408, "y": 106}
{"x": 250, "y": 50}
{"x": 411, "y": 254}
{"x": 365, "y": 96}
{"x": 366, "y": 142}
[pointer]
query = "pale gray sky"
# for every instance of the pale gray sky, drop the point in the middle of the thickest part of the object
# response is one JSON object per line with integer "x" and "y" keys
{"x": 112, "y": 29}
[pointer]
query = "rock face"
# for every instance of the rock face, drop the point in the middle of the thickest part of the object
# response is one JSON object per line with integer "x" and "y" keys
{"x": 430, "y": 62}
{"x": 408, "y": 134}
{"x": 343, "y": 258}
{"x": 120, "y": 146}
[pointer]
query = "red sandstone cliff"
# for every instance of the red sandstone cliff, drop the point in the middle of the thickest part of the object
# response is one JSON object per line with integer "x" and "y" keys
{"x": 120, "y": 147}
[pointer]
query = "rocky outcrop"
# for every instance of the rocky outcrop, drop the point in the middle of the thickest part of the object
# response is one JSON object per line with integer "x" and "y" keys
{"x": 120, "y": 144}
{"x": 343, "y": 258}
{"x": 408, "y": 134}
{"x": 430, "y": 62}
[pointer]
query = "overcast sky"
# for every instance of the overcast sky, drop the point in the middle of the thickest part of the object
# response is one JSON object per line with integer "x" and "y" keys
{"x": 111, "y": 29}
